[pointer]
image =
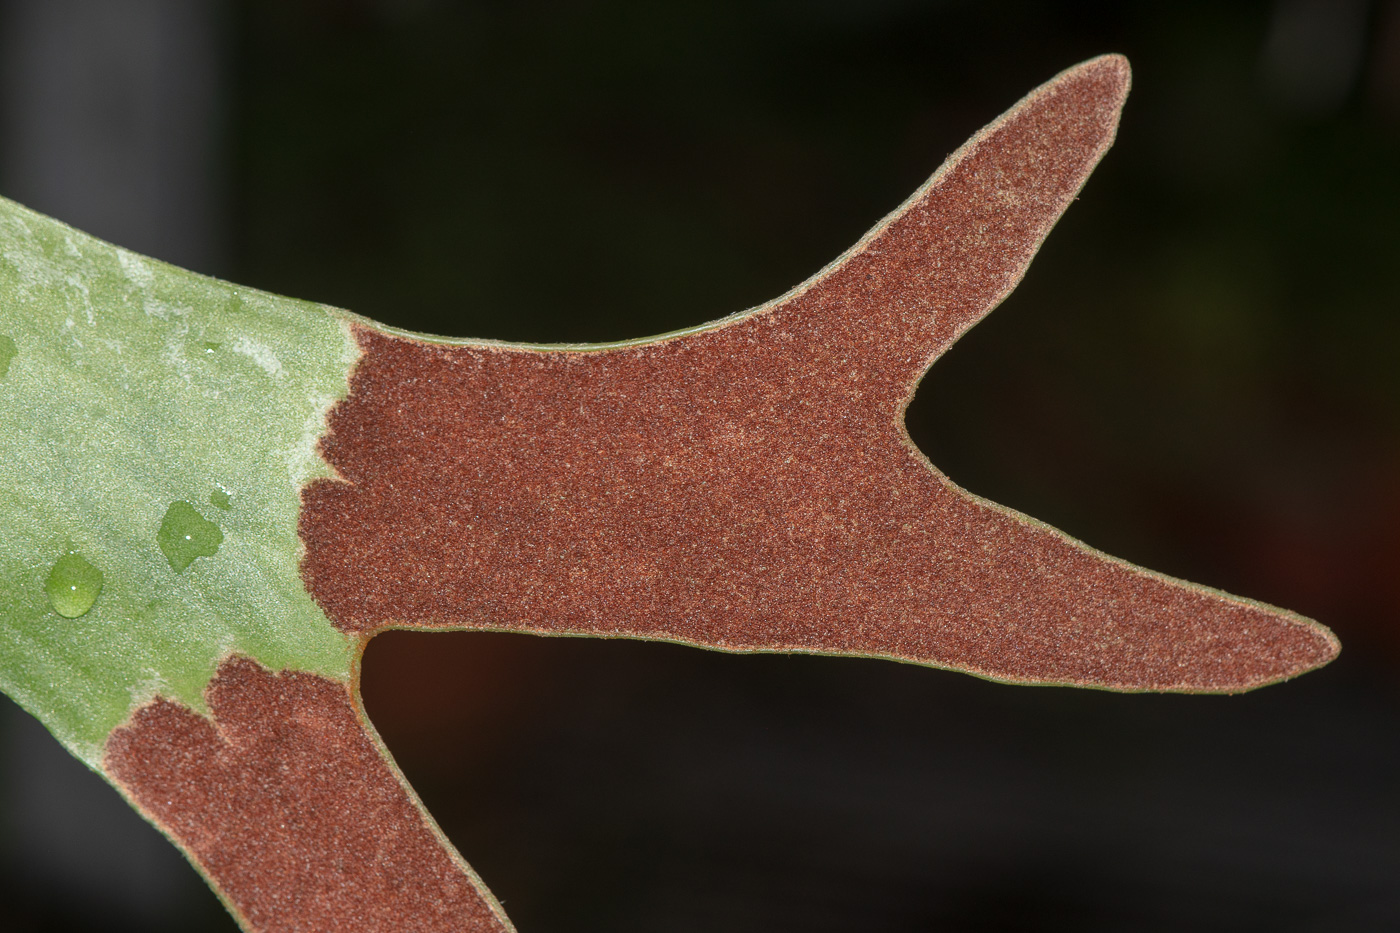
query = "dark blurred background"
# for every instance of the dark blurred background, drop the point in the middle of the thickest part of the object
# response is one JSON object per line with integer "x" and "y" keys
{"x": 1201, "y": 373}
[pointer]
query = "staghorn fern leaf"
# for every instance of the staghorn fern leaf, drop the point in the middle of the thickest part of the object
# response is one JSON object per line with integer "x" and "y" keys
{"x": 214, "y": 497}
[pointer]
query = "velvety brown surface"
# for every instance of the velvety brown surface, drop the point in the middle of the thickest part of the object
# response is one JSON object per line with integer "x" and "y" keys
{"x": 284, "y": 801}
{"x": 751, "y": 486}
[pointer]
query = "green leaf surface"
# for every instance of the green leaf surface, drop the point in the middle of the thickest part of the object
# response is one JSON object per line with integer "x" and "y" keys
{"x": 129, "y": 391}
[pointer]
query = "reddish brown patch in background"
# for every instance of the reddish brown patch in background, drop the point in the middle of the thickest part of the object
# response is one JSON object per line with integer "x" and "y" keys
{"x": 750, "y": 487}
{"x": 286, "y": 804}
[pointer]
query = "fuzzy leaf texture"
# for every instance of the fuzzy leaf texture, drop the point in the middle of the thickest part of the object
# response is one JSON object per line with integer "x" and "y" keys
{"x": 213, "y": 497}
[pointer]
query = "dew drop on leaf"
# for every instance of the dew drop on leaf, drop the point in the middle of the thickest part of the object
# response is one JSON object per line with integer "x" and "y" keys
{"x": 73, "y": 585}
{"x": 220, "y": 499}
{"x": 185, "y": 534}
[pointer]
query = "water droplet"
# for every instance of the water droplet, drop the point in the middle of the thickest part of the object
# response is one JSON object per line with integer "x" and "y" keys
{"x": 73, "y": 585}
{"x": 210, "y": 346}
{"x": 185, "y": 534}
{"x": 8, "y": 351}
{"x": 220, "y": 499}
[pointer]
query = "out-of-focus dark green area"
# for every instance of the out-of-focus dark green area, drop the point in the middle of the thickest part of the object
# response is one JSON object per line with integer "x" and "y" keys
{"x": 1201, "y": 373}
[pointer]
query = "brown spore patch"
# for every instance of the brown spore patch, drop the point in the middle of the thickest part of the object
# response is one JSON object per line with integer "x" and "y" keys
{"x": 284, "y": 801}
{"x": 751, "y": 486}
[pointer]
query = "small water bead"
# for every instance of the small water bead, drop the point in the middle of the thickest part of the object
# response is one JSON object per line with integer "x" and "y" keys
{"x": 220, "y": 499}
{"x": 185, "y": 535}
{"x": 73, "y": 585}
{"x": 8, "y": 351}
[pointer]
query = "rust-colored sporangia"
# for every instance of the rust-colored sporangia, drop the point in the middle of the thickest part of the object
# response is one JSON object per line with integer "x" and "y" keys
{"x": 289, "y": 805}
{"x": 750, "y": 486}
{"x": 747, "y": 486}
